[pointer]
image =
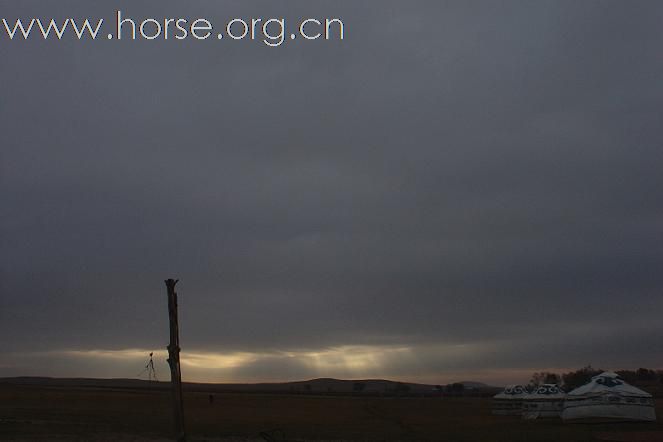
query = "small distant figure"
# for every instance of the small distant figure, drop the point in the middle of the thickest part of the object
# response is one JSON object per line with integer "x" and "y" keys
{"x": 211, "y": 399}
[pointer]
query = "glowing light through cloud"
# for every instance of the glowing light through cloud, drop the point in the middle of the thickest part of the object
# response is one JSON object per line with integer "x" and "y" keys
{"x": 424, "y": 363}
{"x": 343, "y": 360}
{"x": 349, "y": 361}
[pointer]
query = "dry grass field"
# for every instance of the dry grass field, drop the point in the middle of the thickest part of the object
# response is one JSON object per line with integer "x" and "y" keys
{"x": 46, "y": 413}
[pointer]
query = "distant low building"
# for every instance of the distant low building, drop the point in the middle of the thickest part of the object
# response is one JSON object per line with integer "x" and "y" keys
{"x": 546, "y": 400}
{"x": 509, "y": 402}
{"x": 609, "y": 397}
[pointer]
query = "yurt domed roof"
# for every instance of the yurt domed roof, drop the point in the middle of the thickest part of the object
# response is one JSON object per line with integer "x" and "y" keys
{"x": 608, "y": 382}
{"x": 512, "y": 392}
{"x": 547, "y": 391}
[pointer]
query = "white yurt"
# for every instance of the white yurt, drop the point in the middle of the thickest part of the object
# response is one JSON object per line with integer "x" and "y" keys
{"x": 510, "y": 401}
{"x": 607, "y": 396}
{"x": 546, "y": 400}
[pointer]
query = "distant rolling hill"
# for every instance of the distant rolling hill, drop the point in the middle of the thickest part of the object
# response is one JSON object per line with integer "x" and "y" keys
{"x": 313, "y": 386}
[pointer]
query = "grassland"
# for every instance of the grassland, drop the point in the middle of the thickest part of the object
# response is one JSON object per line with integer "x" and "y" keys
{"x": 52, "y": 413}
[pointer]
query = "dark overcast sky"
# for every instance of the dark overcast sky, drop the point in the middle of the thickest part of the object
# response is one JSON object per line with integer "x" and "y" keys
{"x": 457, "y": 189}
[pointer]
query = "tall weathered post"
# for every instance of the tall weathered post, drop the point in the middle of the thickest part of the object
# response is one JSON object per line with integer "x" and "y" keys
{"x": 174, "y": 362}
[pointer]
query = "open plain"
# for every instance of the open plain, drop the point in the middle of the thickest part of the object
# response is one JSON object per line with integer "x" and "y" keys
{"x": 38, "y": 412}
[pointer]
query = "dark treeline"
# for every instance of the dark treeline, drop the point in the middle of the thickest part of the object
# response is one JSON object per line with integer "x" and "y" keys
{"x": 574, "y": 379}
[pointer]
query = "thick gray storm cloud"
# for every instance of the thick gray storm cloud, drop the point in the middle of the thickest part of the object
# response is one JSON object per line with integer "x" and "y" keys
{"x": 455, "y": 189}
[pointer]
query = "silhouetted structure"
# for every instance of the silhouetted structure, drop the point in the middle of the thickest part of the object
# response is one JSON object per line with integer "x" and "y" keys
{"x": 149, "y": 368}
{"x": 174, "y": 362}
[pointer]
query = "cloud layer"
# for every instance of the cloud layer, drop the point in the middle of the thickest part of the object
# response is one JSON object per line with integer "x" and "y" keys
{"x": 475, "y": 182}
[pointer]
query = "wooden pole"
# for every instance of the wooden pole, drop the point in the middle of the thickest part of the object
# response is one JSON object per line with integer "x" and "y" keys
{"x": 174, "y": 362}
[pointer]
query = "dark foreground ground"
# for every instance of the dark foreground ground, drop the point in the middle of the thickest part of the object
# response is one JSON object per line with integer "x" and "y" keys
{"x": 45, "y": 413}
